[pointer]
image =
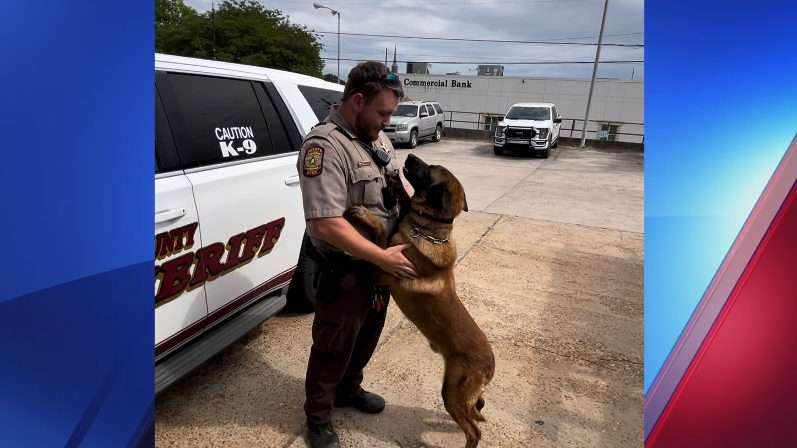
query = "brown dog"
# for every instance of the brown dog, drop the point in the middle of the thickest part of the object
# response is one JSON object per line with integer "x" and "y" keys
{"x": 430, "y": 301}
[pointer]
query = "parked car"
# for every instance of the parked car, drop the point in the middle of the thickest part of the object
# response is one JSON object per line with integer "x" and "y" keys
{"x": 530, "y": 127}
{"x": 229, "y": 222}
{"x": 414, "y": 120}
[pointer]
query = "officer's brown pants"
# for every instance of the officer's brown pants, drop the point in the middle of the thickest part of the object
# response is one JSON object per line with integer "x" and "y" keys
{"x": 346, "y": 330}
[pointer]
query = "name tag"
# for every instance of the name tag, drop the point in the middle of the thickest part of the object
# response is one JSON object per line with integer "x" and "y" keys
{"x": 361, "y": 164}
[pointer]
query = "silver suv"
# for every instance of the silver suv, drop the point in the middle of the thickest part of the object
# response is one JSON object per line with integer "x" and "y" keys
{"x": 416, "y": 119}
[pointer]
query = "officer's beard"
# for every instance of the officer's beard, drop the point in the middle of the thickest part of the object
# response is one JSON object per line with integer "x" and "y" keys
{"x": 365, "y": 129}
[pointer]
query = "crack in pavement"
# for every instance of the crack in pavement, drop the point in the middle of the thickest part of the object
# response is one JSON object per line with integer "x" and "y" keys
{"x": 512, "y": 187}
{"x": 479, "y": 240}
{"x": 587, "y": 360}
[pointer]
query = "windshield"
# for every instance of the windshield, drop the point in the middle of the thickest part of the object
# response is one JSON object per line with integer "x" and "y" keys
{"x": 528, "y": 113}
{"x": 406, "y": 110}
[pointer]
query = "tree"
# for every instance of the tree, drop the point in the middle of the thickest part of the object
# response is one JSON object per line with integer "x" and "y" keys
{"x": 246, "y": 33}
{"x": 331, "y": 78}
{"x": 175, "y": 26}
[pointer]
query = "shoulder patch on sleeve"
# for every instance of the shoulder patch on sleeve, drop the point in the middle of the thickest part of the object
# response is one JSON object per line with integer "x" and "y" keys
{"x": 313, "y": 161}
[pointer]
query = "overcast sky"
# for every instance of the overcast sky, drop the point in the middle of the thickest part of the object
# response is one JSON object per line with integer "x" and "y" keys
{"x": 526, "y": 20}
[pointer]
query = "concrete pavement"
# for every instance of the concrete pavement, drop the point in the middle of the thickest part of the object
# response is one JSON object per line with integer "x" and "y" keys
{"x": 550, "y": 265}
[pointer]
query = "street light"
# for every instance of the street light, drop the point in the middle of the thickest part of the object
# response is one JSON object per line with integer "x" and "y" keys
{"x": 317, "y": 6}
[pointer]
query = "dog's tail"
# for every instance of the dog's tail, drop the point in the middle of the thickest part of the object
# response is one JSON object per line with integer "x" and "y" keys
{"x": 485, "y": 380}
{"x": 474, "y": 411}
{"x": 477, "y": 406}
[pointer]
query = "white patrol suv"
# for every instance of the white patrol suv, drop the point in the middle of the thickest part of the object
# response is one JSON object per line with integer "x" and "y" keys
{"x": 229, "y": 221}
{"x": 530, "y": 127}
{"x": 416, "y": 119}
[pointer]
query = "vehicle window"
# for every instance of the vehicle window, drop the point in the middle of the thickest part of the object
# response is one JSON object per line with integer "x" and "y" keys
{"x": 294, "y": 136}
{"x": 406, "y": 110}
{"x": 438, "y": 108}
{"x": 223, "y": 118}
{"x": 320, "y": 100}
{"x": 430, "y": 109}
{"x": 528, "y": 113}
{"x": 555, "y": 115}
{"x": 279, "y": 138}
{"x": 423, "y": 108}
{"x": 166, "y": 158}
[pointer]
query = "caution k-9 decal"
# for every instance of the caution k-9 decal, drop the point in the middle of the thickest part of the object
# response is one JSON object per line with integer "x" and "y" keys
{"x": 228, "y": 136}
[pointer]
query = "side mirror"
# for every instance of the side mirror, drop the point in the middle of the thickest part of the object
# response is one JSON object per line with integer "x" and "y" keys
{"x": 557, "y": 120}
{"x": 424, "y": 114}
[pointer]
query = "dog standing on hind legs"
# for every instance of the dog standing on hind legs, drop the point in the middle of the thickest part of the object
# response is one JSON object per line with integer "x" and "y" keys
{"x": 430, "y": 301}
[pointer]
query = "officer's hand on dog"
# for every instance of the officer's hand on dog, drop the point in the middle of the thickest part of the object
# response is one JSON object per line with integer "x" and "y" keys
{"x": 396, "y": 264}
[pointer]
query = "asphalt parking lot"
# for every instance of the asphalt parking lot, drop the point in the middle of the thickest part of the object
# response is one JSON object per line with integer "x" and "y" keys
{"x": 550, "y": 265}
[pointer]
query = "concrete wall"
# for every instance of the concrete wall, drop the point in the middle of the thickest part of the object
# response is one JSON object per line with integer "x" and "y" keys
{"x": 613, "y": 101}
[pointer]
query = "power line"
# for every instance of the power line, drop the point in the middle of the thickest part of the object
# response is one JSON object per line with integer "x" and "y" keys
{"x": 478, "y": 58}
{"x": 442, "y": 3}
{"x": 488, "y": 40}
{"x": 507, "y": 63}
{"x": 546, "y": 40}
{"x": 332, "y": 50}
{"x": 430, "y": 42}
{"x": 595, "y": 37}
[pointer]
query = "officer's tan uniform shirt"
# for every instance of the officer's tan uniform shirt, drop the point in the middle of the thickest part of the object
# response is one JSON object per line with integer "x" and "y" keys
{"x": 336, "y": 173}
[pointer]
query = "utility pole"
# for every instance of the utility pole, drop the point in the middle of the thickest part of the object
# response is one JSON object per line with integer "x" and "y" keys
{"x": 594, "y": 72}
{"x": 213, "y": 8}
{"x": 317, "y": 6}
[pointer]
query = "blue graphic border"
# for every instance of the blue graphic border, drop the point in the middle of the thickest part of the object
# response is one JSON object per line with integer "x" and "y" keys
{"x": 76, "y": 315}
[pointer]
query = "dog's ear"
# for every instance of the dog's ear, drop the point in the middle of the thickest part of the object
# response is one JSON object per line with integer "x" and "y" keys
{"x": 465, "y": 199}
{"x": 439, "y": 197}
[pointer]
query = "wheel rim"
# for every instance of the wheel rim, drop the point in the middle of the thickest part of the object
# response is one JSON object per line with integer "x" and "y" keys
{"x": 414, "y": 139}
{"x": 437, "y": 133}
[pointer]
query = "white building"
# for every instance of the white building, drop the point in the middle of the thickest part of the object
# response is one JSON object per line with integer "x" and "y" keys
{"x": 478, "y": 102}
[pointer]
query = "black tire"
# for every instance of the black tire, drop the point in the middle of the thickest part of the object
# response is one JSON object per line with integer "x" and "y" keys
{"x": 438, "y": 133}
{"x": 413, "y": 139}
{"x": 546, "y": 153}
{"x": 555, "y": 145}
{"x": 301, "y": 293}
{"x": 497, "y": 150}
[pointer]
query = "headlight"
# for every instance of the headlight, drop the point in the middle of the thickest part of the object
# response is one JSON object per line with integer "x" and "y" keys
{"x": 499, "y": 131}
{"x": 543, "y": 133}
{"x": 401, "y": 127}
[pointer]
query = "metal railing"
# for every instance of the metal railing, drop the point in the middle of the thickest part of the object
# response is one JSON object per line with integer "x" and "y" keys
{"x": 481, "y": 122}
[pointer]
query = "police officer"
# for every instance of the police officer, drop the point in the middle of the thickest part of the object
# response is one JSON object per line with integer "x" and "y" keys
{"x": 341, "y": 164}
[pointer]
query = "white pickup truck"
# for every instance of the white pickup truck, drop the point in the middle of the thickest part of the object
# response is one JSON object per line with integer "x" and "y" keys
{"x": 528, "y": 127}
{"x": 229, "y": 223}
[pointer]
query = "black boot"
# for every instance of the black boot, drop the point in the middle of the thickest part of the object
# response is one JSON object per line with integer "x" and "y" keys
{"x": 322, "y": 435}
{"x": 365, "y": 402}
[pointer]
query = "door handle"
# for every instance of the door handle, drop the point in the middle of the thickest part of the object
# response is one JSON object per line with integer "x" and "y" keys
{"x": 293, "y": 180}
{"x": 168, "y": 215}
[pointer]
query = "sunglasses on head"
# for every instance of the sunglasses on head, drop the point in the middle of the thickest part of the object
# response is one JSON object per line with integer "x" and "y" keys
{"x": 390, "y": 80}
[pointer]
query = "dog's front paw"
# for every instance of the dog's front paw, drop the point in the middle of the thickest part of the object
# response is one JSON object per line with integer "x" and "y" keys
{"x": 358, "y": 211}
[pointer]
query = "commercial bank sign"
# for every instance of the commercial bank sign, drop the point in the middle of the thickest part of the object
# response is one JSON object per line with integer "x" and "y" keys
{"x": 438, "y": 83}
